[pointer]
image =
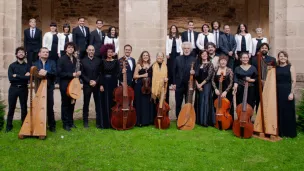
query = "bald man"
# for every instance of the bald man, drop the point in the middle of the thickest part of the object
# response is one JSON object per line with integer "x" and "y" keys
{"x": 90, "y": 76}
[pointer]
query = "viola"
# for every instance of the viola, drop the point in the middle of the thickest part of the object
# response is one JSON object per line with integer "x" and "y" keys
{"x": 186, "y": 117}
{"x": 223, "y": 119}
{"x": 242, "y": 127}
{"x": 146, "y": 85}
{"x": 123, "y": 113}
{"x": 162, "y": 120}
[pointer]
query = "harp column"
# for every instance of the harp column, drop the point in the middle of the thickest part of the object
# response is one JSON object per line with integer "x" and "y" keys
{"x": 143, "y": 25}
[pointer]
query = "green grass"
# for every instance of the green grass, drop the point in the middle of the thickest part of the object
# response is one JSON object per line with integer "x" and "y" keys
{"x": 147, "y": 149}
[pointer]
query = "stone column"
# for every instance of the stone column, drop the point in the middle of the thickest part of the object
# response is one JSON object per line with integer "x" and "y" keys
{"x": 143, "y": 25}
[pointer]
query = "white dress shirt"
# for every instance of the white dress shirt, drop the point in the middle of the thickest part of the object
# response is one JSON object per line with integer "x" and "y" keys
{"x": 216, "y": 34}
{"x": 130, "y": 62}
{"x": 200, "y": 40}
{"x": 83, "y": 30}
{"x": 192, "y": 38}
{"x": 32, "y": 32}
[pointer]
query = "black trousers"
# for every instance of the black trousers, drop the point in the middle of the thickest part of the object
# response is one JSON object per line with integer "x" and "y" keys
{"x": 50, "y": 108}
{"x": 181, "y": 92}
{"x": 67, "y": 108}
{"x": 13, "y": 93}
{"x": 87, "y": 92}
{"x": 31, "y": 57}
{"x": 230, "y": 63}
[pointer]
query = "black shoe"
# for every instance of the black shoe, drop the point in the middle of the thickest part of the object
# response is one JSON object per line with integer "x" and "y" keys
{"x": 67, "y": 128}
{"x": 8, "y": 129}
{"x": 86, "y": 125}
{"x": 73, "y": 126}
{"x": 52, "y": 129}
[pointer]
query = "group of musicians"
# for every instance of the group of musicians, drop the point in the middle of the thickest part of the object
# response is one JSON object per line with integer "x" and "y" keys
{"x": 213, "y": 53}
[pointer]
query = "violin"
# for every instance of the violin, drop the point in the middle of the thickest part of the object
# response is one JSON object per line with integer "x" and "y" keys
{"x": 242, "y": 127}
{"x": 223, "y": 119}
{"x": 146, "y": 85}
{"x": 123, "y": 115}
{"x": 186, "y": 117}
{"x": 74, "y": 86}
{"x": 162, "y": 120}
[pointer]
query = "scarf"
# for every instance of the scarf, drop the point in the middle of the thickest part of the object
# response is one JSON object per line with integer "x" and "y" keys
{"x": 158, "y": 79}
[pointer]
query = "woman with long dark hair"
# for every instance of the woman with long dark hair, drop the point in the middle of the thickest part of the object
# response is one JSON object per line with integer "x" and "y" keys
{"x": 112, "y": 38}
{"x": 204, "y": 109}
{"x": 50, "y": 41}
{"x": 64, "y": 38}
{"x": 145, "y": 108}
{"x": 204, "y": 37}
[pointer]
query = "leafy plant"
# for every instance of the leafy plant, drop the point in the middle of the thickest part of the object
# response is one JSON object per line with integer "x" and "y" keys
{"x": 300, "y": 113}
{"x": 2, "y": 113}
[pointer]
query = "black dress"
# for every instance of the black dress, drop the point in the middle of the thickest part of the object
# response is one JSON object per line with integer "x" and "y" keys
{"x": 54, "y": 50}
{"x": 239, "y": 77}
{"x": 144, "y": 105}
{"x": 171, "y": 61}
{"x": 204, "y": 108}
{"x": 286, "y": 108}
{"x": 109, "y": 70}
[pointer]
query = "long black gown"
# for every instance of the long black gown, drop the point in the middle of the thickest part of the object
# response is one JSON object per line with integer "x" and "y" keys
{"x": 239, "y": 77}
{"x": 286, "y": 108}
{"x": 109, "y": 70}
{"x": 226, "y": 86}
{"x": 145, "y": 108}
{"x": 54, "y": 49}
{"x": 204, "y": 108}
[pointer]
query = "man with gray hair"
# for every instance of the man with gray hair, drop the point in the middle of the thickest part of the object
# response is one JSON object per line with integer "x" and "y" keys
{"x": 182, "y": 71}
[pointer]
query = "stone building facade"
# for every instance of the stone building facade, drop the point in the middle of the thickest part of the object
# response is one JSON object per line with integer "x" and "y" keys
{"x": 144, "y": 23}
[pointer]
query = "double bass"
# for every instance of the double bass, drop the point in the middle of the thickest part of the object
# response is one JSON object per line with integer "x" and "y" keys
{"x": 146, "y": 85}
{"x": 242, "y": 127}
{"x": 74, "y": 87}
{"x": 35, "y": 121}
{"x": 186, "y": 117}
{"x": 223, "y": 119}
{"x": 162, "y": 120}
{"x": 123, "y": 113}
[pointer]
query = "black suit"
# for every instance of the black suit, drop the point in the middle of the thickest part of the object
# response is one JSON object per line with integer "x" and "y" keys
{"x": 185, "y": 39}
{"x": 97, "y": 41}
{"x": 227, "y": 44}
{"x": 65, "y": 70}
{"x": 32, "y": 45}
{"x": 218, "y": 50}
{"x": 82, "y": 41}
{"x": 181, "y": 77}
{"x": 90, "y": 70}
{"x": 50, "y": 67}
{"x": 130, "y": 72}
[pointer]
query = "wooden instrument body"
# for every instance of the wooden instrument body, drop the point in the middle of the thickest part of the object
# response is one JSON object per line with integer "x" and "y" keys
{"x": 243, "y": 127}
{"x": 35, "y": 121}
{"x": 162, "y": 120}
{"x": 74, "y": 86}
{"x": 146, "y": 85}
{"x": 123, "y": 113}
{"x": 186, "y": 118}
{"x": 223, "y": 119}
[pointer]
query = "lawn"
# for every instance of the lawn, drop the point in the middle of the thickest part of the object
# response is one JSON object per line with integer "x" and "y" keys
{"x": 147, "y": 149}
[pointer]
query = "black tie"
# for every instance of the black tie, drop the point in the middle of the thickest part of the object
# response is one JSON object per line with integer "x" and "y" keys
{"x": 33, "y": 33}
{"x": 205, "y": 41}
{"x": 83, "y": 31}
{"x": 100, "y": 35}
{"x": 66, "y": 40}
{"x": 190, "y": 33}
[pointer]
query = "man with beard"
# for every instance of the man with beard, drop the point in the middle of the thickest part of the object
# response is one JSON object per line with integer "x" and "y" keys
{"x": 267, "y": 62}
{"x": 47, "y": 70}
{"x": 18, "y": 75}
{"x": 211, "y": 53}
{"x": 182, "y": 71}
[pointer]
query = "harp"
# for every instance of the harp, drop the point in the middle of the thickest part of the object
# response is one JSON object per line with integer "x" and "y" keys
{"x": 35, "y": 121}
{"x": 266, "y": 122}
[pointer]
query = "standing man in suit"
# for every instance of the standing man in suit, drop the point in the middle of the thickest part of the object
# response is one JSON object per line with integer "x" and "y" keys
{"x": 32, "y": 41}
{"x": 97, "y": 38}
{"x": 47, "y": 69}
{"x": 191, "y": 36}
{"x": 228, "y": 45}
{"x": 181, "y": 75}
{"x": 81, "y": 37}
{"x": 130, "y": 66}
{"x": 215, "y": 25}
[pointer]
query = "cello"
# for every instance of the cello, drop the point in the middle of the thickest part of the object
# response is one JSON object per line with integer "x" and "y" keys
{"x": 123, "y": 113}
{"x": 74, "y": 87}
{"x": 223, "y": 119}
{"x": 242, "y": 127}
{"x": 162, "y": 120}
{"x": 186, "y": 117}
{"x": 146, "y": 85}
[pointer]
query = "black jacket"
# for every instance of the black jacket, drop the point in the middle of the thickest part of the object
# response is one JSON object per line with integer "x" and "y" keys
{"x": 32, "y": 44}
{"x": 182, "y": 68}
{"x": 65, "y": 70}
{"x": 79, "y": 39}
{"x": 130, "y": 72}
{"x": 96, "y": 41}
{"x": 227, "y": 45}
{"x": 185, "y": 37}
{"x": 50, "y": 67}
{"x": 90, "y": 70}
